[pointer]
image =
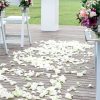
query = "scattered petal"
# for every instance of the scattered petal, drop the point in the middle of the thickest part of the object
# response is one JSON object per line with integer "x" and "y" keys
{"x": 68, "y": 96}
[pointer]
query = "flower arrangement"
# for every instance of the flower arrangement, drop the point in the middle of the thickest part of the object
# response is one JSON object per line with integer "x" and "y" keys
{"x": 25, "y": 3}
{"x": 89, "y": 13}
{"x": 3, "y": 4}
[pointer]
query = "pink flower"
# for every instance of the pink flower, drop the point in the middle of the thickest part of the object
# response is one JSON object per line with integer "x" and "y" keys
{"x": 30, "y": 1}
{"x": 83, "y": 13}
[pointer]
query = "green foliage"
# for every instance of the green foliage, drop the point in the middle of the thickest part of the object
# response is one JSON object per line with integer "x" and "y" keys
{"x": 24, "y": 3}
{"x": 97, "y": 6}
{"x": 84, "y": 1}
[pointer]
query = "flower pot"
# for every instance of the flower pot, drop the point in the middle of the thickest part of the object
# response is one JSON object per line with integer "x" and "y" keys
{"x": 98, "y": 21}
{"x": 49, "y": 15}
{"x": 24, "y": 9}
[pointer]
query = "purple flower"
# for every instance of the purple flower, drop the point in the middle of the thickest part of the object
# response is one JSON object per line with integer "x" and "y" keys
{"x": 89, "y": 22}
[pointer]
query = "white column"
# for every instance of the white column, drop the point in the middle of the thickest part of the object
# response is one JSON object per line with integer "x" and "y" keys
{"x": 98, "y": 70}
{"x": 49, "y": 15}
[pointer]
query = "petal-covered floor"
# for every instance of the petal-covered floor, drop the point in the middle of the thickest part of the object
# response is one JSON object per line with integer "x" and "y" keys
{"x": 51, "y": 69}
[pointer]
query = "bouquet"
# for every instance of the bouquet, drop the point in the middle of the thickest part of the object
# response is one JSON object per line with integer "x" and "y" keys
{"x": 25, "y": 3}
{"x": 89, "y": 13}
{"x": 3, "y": 4}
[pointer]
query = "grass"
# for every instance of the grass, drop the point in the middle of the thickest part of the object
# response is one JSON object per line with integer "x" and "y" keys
{"x": 67, "y": 14}
{"x": 68, "y": 11}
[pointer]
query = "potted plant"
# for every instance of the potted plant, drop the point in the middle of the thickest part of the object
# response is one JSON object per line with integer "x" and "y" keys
{"x": 25, "y": 3}
{"x": 3, "y": 5}
{"x": 89, "y": 14}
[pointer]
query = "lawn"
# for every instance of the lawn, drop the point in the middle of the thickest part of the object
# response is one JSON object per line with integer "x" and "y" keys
{"x": 67, "y": 15}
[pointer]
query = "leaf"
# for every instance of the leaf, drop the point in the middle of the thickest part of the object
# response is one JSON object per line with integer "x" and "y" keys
{"x": 84, "y": 1}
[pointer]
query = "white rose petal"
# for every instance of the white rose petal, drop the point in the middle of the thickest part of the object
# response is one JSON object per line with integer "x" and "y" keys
{"x": 27, "y": 85}
{"x": 18, "y": 92}
{"x": 62, "y": 78}
{"x": 12, "y": 82}
{"x": 3, "y": 64}
{"x": 78, "y": 84}
{"x": 74, "y": 72}
{"x": 79, "y": 74}
{"x": 48, "y": 75}
{"x": 44, "y": 93}
{"x": 90, "y": 86}
{"x": 34, "y": 86}
{"x": 28, "y": 78}
{"x": 38, "y": 74}
{"x": 84, "y": 72}
{"x": 31, "y": 73}
{"x": 58, "y": 85}
{"x": 72, "y": 88}
{"x": 40, "y": 89}
{"x": 68, "y": 96}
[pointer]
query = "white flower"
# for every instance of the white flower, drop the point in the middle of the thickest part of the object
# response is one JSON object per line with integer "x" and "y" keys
{"x": 92, "y": 14}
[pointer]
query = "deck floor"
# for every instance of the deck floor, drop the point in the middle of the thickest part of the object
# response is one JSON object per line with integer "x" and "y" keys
{"x": 67, "y": 33}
